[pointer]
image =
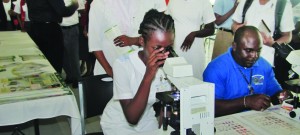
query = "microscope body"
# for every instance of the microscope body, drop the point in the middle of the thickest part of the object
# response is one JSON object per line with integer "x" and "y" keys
{"x": 189, "y": 107}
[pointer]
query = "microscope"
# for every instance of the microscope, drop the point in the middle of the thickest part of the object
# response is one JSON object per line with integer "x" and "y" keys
{"x": 189, "y": 106}
{"x": 291, "y": 107}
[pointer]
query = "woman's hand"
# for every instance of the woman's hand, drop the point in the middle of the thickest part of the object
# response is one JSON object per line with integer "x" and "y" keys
{"x": 124, "y": 40}
{"x": 188, "y": 41}
{"x": 156, "y": 59}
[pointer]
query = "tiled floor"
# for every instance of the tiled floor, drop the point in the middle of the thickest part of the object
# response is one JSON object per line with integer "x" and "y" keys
{"x": 60, "y": 125}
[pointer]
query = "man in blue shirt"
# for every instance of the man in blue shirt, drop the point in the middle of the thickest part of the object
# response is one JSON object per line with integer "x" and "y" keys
{"x": 243, "y": 80}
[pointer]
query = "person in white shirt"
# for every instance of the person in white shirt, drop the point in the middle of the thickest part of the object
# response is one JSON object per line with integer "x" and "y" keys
{"x": 265, "y": 10}
{"x": 189, "y": 15}
{"x": 70, "y": 30}
{"x": 137, "y": 78}
{"x": 224, "y": 37}
{"x": 21, "y": 11}
{"x": 117, "y": 19}
{"x": 261, "y": 14}
{"x": 6, "y": 20}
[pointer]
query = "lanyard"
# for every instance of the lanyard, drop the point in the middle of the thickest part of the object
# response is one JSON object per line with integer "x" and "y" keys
{"x": 250, "y": 88}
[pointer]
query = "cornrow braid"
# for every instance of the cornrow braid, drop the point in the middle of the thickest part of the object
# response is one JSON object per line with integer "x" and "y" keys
{"x": 154, "y": 20}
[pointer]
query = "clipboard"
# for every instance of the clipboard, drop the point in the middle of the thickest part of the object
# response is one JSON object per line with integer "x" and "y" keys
{"x": 263, "y": 27}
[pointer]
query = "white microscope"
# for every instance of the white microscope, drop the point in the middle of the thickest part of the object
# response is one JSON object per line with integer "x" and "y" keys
{"x": 189, "y": 107}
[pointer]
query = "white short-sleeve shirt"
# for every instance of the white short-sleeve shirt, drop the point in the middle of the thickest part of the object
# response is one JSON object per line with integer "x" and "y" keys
{"x": 266, "y": 12}
{"x": 123, "y": 15}
{"x": 188, "y": 16}
{"x": 17, "y": 9}
{"x": 74, "y": 18}
{"x": 129, "y": 71}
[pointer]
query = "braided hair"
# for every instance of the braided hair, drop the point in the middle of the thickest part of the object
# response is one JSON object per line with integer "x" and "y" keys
{"x": 154, "y": 20}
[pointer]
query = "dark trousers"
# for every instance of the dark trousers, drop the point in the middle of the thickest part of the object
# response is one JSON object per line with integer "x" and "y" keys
{"x": 28, "y": 28}
{"x": 49, "y": 39}
{"x": 71, "y": 53}
{"x": 85, "y": 55}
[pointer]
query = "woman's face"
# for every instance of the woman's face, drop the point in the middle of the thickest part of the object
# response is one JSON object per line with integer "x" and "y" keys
{"x": 157, "y": 40}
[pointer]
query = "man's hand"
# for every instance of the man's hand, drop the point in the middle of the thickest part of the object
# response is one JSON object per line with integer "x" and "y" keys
{"x": 11, "y": 12}
{"x": 75, "y": 3}
{"x": 267, "y": 39}
{"x": 285, "y": 94}
{"x": 237, "y": 25}
{"x": 258, "y": 102}
{"x": 236, "y": 3}
{"x": 279, "y": 97}
{"x": 85, "y": 32}
{"x": 188, "y": 41}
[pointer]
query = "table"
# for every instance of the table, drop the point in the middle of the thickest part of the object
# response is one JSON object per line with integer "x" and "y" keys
{"x": 23, "y": 51}
{"x": 268, "y": 122}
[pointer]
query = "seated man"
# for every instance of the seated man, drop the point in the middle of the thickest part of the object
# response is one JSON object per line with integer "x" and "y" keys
{"x": 243, "y": 80}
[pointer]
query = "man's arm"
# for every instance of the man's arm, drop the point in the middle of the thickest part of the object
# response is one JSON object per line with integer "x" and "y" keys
{"x": 208, "y": 30}
{"x": 296, "y": 33}
{"x": 226, "y": 107}
{"x": 104, "y": 63}
{"x": 286, "y": 37}
{"x": 258, "y": 102}
{"x": 222, "y": 18}
{"x": 236, "y": 25}
{"x": 61, "y": 9}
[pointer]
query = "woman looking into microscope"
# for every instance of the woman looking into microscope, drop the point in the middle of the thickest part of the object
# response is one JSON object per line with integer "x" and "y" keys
{"x": 137, "y": 78}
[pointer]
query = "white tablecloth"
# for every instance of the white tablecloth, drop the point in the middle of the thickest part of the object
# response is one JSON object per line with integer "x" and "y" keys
{"x": 16, "y": 43}
{"x": 20, "y": 112}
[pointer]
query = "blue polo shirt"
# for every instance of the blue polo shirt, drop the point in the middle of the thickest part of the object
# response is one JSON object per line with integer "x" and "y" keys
{"x": 230, "y": 83}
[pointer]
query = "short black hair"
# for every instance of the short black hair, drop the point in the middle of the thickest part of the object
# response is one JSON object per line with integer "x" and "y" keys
{"x": 154, "y": 20}
{"x": 240, "y": 33}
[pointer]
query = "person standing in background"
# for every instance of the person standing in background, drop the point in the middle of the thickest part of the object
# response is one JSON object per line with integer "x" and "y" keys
{"x": 223, "y": 11}
{"x": 45, "y": 16}
{"x": 167, "y": 2}
{"x": 6, "y": 20}
{"x": 265, "y": 10}
{"x": 87, "y": 59}
{"x": 296, "y": 32}
{"x": 189, "y": 15}
{"x": 70, "y": 32}
{"x": 21, "y": 11}
{"x": 285, "y": 66}
{"x": 119, "y": 27}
